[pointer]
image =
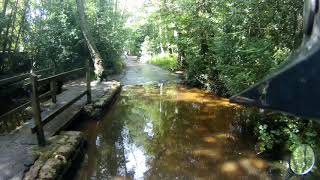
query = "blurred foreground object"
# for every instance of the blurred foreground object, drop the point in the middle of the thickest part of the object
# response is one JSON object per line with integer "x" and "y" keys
{"x": 295, "y": 88}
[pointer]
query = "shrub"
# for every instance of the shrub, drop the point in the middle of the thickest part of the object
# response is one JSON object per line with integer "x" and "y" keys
{"x": 166, "y": 61}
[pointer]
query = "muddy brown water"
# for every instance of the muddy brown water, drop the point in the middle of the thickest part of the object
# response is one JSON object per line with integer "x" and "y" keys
{"x": 171, "y": 132}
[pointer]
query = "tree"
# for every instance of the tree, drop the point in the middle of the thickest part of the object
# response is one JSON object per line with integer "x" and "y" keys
{"x": 94, "y": 52}
{"x": 39, "y": 33}
{"x": 224, "y": 46}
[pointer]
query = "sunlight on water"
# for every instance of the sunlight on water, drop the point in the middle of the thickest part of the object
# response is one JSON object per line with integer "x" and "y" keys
{"x": 171, "y": 132}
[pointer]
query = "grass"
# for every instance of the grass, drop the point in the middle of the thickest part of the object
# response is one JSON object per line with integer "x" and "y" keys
{"x": 166, "y": 61}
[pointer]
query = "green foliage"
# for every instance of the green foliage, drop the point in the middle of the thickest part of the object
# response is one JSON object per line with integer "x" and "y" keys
{"x": 48, "y": 32}
{"x": 279, "y": 130}
{"x": 109, "y": 33}
{"x": 134, "y": 43}
{"x": 224, "y": 46}
{"x": 227, "y": 46}
{"x": 165, "y": 61}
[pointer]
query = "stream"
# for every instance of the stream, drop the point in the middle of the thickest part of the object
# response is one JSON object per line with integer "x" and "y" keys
{"x": 159, "y": 129}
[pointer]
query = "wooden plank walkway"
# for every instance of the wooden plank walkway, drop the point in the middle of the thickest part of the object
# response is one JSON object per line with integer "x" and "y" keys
{"x": 15, "y": 148}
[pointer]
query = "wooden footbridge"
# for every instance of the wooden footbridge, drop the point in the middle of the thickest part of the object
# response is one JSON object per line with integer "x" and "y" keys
{"x": 41, "y": 119}
{"x": 51, "y": 114}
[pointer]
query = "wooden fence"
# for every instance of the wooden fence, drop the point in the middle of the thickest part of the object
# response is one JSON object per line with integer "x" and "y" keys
{"x": 17, "y": 78}
{"x": 36, "y": 98}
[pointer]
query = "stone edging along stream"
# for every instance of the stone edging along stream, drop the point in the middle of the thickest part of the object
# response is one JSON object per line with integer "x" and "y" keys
{"x": 96, "y": 109}
{"x": 66, "y": 150}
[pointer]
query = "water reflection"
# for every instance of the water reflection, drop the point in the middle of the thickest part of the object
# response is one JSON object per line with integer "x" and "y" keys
{"x": 170, "y": 132}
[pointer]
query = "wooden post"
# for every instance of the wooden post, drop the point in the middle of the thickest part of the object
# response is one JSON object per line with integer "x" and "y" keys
{"x": 53, "y": 91}
{"x": 36, "y": 109}
{"x": 53, "y": 87}
{"x": 88, "y": 79}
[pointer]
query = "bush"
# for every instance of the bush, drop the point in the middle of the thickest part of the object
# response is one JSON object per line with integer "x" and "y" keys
{"x": 284, "y": 131}
{"x": 166, "y": 61}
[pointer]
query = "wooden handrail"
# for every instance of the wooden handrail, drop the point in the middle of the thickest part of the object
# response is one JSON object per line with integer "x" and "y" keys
{"x": 35, "y": 82}
{"x": 36, "y": 98}
{"x": 14, "y": 79}
{"x": 48, "y": 79}
{"x": 20, "y": 77}
{"x": 54, "y": 114}
{"x": 42, "y": 70}
{"x": 23, "y": 106}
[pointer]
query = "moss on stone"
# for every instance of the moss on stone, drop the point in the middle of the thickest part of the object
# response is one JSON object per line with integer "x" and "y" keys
{"x": 95, "y": 109}
{"x": 53, "y": 159}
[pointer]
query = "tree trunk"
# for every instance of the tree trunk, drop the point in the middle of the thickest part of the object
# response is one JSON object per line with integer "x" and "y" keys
{"x": 3, "y": 15}
{"x": 14, "y": 19}
{"x": 10, "y": 24}
{"x": 22, "y": 25}
{"x": 5, "y": 5}
{"x": 94, "y": 52}
{"x": 181, "y": 53}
